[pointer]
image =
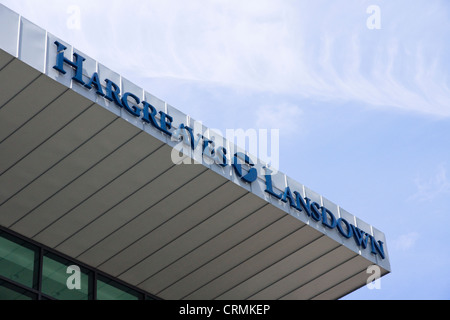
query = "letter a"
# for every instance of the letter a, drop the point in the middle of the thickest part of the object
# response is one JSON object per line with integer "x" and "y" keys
{"x": 374, "y": 21}
{"x": 74, "y": 281}
{"x": 373, "y": 281}
{"x": 74, "y": 20}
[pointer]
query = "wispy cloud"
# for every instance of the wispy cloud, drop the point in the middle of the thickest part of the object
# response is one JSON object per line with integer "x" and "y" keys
{"x": 285, "y": 116}
{"x": 435, "y": 186}
{"x": 321, "y": 49}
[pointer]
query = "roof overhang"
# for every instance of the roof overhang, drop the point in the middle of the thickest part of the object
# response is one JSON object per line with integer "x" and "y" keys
{"x": 82, "y": 175}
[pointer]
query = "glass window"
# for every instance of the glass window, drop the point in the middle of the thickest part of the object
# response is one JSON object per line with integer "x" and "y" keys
{"x": 111, "y": 290}
{"x": 26, "y": 268}
{"x": 63, "y": 280}
{"x": 12, "y": 292}
{"x": 18, "y": 260}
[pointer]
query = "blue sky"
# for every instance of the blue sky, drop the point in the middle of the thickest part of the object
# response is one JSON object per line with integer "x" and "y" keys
{"x": 364, "y": 114}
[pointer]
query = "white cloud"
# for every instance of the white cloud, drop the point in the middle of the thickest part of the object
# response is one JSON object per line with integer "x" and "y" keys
{"x": 321, "y": 49}
{"x": 286, "y": 117}
{"x": 433, "y": 187}
{"x": 405, "y": 241}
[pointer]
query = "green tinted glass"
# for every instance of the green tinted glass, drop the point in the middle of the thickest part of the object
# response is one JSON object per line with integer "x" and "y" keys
{"x": 111, "y": 290}
{"x": 63, "y": 282}
{"x": 11, "y": 292}
{"x": 17, "y": 261}
{"x": 25, "y": 268}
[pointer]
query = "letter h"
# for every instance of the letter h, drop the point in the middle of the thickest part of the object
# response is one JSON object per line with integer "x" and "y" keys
{"x": 77, "y": 65}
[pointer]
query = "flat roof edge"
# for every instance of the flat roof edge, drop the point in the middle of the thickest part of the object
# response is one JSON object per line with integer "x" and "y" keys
{"x": 191, "y": 141}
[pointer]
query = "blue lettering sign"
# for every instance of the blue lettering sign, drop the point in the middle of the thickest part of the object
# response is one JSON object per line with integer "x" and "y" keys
{"x": 252, "y": 174}
{"x": 348, "y": 234}
{"x": 328, "y": 218}
{"x": 320, "y": 213}
{"x": 148, "y": 114}
{"x": 95, "y": 82}
{"x": 77, "y": 65}
{"x": 135, "y": 111}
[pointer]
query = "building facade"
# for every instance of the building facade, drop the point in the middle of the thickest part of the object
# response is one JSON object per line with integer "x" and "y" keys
{"x": 107, "y": 192}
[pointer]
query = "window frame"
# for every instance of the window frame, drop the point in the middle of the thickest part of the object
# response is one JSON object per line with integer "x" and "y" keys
{"x": 41, "y": 250}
